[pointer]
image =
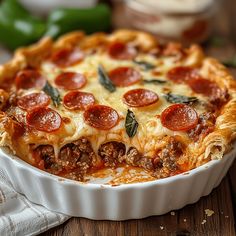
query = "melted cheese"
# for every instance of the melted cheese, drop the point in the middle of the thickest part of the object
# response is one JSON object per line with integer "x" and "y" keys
{"x": 150, "y": 130}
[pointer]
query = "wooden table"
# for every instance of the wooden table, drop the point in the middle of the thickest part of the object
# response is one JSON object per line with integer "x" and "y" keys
{"x": 192, "y": 219}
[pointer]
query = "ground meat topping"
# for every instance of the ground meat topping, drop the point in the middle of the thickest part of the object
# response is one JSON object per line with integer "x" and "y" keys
{"x": 76, "y": 159}
{"x": 45, "y": 153}
{"x": 219, "y": 99}
{"x": 162, "y": 165}
{"x": 73, "y": 161}
{"x": 78, "y": 154}
{"x": 166, "y": 160}
{"x": 205, "y": 125}
{"x": 146, "y": 163}
{"x": 112, "y": 153}
{"x": 135, "y": 158}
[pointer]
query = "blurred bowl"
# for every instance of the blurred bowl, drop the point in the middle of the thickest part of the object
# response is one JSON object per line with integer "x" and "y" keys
{"x": 44, "y": 7}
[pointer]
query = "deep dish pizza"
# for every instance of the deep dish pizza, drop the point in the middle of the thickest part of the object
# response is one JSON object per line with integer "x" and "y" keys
{"x": 84, "y": 104}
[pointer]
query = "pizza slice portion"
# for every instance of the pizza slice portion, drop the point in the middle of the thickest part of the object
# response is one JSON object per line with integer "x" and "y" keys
{"x": 90, "y": 104}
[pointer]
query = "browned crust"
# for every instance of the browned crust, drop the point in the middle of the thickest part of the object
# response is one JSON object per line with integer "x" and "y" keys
{"x": 219, "y": 142}
{"x": 213, "y": 146}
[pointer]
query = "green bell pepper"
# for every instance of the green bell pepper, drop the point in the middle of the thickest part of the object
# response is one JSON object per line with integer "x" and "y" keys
{"x": 14, "y": 9}
{"x": 90, "y": 20}
{"x": 17, "y": 26}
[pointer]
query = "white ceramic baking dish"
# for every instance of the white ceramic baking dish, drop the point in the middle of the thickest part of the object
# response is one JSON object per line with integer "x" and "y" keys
{"x": 104, "y": 202}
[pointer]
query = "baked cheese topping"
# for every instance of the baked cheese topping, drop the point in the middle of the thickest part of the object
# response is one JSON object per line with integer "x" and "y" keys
{"x": 150, "y": 127}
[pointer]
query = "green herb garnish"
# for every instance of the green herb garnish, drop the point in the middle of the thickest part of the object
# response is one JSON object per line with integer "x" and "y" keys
{"x": 53, "y": 93}
{"x": 174, "y": 98}
{"x": 154, "y": 81}
{"x": 145, "y": 65}
{"x": 131, "y": 124}
{"x": 104, "y": 80}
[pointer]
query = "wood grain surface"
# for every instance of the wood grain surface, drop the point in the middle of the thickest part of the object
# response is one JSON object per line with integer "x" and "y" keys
{"x": 192, "y": 219}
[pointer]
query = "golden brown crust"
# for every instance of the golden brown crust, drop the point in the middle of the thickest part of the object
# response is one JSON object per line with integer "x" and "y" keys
{"x": 9, "y": 69}
{"x": 69, "y": 40}
{"x": 93, "y": 41}
{"x": 217, "y": 72}
{"x": 219, "y": 142}
{"x": 213, "y": 146}
{"x": 142, "y": 40}
{"x": 33, "y": 55}
{"x": 8, "y": 138}
{"x": 195, "y": 56}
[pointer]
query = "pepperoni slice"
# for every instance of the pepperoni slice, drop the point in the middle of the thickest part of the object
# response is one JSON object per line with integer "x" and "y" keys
{"x": 204, "y": 86}
{"x": 182, "y": 74}
{"x": 29, "y": 78}
{"x": 124, "y": 76}
{"x": 77, "y": 100}
{"x": 70, "y": 80}
{"x": 179, "y": 117}
{"x": 67, "y": 57}
{"x": 33, "y": 100}
{"x": 121, "y": 51}
{"x": 44, "y": 119}
{"x": 140, "y": 98}
{"x": 101, "y": 117}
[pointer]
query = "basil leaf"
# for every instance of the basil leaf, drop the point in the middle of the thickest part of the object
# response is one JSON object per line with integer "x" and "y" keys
{"x": 104, "y": 80}
{"x": 231, "y": 62}
{"x": 131, "y": 125}
{"x": 53, "y": 93}
{"x": 174, "y": 98}
{"x": 154, "y": 81}
{"x": 145, "y": 65}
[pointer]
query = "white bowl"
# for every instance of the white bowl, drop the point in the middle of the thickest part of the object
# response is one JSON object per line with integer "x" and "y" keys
{"x": 43, "y": 7}
{"x": 104, "y": 202}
